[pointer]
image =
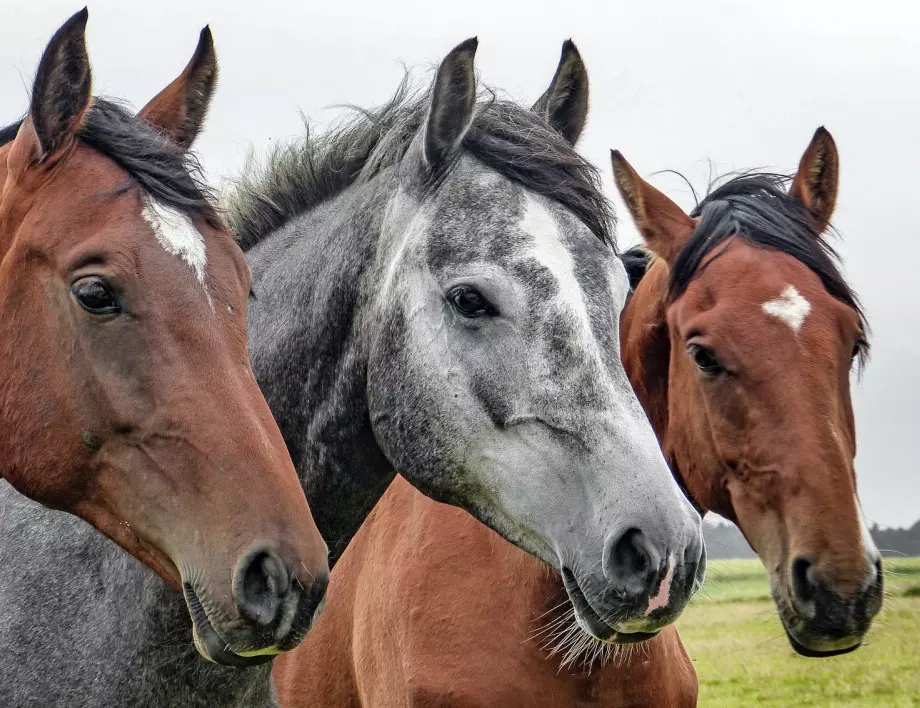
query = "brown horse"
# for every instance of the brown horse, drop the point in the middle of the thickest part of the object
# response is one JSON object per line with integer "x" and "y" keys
{"x": 126, "y": 392}
{"x": 739, "y": 341}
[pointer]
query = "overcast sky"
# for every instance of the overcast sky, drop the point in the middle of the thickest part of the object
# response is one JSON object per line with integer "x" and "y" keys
{"x": 674, "y": 84}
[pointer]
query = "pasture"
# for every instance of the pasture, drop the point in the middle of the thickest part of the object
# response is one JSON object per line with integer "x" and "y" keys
{"x": 742, "y": 657}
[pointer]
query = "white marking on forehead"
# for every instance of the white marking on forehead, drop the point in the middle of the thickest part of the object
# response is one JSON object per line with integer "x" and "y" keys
{"x": 790, "y": 307}
{"x": 538, "y": 221}
{"x": 177, "y": 234}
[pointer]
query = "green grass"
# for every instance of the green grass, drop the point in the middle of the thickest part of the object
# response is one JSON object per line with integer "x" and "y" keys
{"x": 742, "y": 657}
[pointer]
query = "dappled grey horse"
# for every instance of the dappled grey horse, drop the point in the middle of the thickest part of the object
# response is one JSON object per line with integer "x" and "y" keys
{"x": 435, "y": 292}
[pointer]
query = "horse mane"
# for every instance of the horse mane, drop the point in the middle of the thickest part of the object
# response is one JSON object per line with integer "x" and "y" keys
{"x": 513, "y": 141}
{"x": 169, "y": 174}
{"x": 756, "y": 207}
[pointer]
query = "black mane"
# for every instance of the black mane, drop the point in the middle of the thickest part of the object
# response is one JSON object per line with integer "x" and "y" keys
{"x": 756, "y": 207}
{"x": 509, "y": 139}
{"x": 162, "y": 169}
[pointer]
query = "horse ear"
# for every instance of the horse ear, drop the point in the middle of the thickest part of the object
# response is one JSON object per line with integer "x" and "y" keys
{"x": 62, "y": 90}
{"x": 664, "y": 226}
{"x": 565, "y": 103}
{"x": 453, "y": 101}
{"x": 179, "y": 110}
{"x": 816, "y": 181}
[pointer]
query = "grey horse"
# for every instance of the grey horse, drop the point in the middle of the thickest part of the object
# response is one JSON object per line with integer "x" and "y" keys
{"x": 435, "y": 292}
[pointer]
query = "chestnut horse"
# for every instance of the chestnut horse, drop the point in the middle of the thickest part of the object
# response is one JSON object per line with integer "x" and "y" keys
{"x": 127, "y": 396}
{"x": 739, "y": 341}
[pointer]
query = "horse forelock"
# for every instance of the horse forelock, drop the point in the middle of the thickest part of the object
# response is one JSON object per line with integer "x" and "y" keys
{"x": 162, "y": 169}
{"x": 756, "y": 208}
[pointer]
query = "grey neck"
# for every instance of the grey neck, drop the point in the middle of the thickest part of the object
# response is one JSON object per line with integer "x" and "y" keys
{"x": 305, "y": 343}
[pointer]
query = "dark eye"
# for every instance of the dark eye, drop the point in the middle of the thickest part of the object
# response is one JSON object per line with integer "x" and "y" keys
{"x": 705, "y": 360}
{"x": 95, "y": 296}
{"x": 469, "y": 302}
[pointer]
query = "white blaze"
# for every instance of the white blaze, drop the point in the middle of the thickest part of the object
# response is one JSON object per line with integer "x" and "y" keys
{"x": 790, "y": 307}
{"x": 548, "y": 248}
{"x": 176, "y": 233}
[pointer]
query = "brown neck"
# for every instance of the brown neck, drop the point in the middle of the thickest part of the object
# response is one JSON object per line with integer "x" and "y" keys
{"x": 647, "y": 353}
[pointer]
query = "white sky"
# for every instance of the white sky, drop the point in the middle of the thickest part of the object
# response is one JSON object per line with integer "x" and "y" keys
{"x": 674, "y": 84}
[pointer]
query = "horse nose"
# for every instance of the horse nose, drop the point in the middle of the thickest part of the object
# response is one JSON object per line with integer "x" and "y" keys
{"x": 277, "y": 605}
{"x": 804, "y": 587}
{"x": 633, "y": 562}
{"x": 261, "y": 585}
{"x": 640, "y": 566}
{"x": 815, "y": 598}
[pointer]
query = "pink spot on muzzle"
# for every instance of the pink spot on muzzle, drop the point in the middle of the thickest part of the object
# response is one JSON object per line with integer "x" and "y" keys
{"x": 661, "y": 599}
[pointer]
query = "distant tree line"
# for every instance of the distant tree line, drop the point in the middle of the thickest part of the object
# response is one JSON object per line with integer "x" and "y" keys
{"x": 724, "y": 540}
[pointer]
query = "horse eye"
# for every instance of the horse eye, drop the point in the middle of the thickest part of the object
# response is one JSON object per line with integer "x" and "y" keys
{"x": 705, "y": 360}
{"x": 469, "y": 302}
{"x": 95, "y": 296}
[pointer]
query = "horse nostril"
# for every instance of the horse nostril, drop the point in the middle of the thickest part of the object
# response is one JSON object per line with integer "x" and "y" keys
{"x": 631, "y": 561}
{"x": 804, "y": 591}
{"x": 260, "y": 585}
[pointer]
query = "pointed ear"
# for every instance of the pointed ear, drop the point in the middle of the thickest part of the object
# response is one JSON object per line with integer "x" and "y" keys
{"x": 664, "y": 226}
{"x": 453, "y": 101}
{"x": 62, "y": 90}
{"x": 179, "y": 110}
{"x": 816, "y": 181}
{"x": 565, "y": 103}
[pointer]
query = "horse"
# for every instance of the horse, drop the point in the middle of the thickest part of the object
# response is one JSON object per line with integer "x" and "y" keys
{"x": 127, "y": 396}
{"x": 741, "y": 340}
{"x": 408, "y": 622}
{"x": 433, "y": 286}
{"x": 438, "y": 639}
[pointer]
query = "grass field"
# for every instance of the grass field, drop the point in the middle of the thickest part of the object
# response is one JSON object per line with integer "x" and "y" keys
{"x": 742, "y": 656}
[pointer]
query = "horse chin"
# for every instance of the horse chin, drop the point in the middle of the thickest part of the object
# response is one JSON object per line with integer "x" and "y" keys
{"x": 591, "y": 622}
{"x": 596, "y": 628}
{"x": 212, "y": 648}
{"x": 831, "y": 648}
{"x": 804, "y": 640}
{"x": 209, "y": 643}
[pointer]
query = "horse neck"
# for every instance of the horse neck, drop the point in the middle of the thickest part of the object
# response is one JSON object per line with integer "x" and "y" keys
{"x": 646, "y": 349}
{"x": 305, "y": 334}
